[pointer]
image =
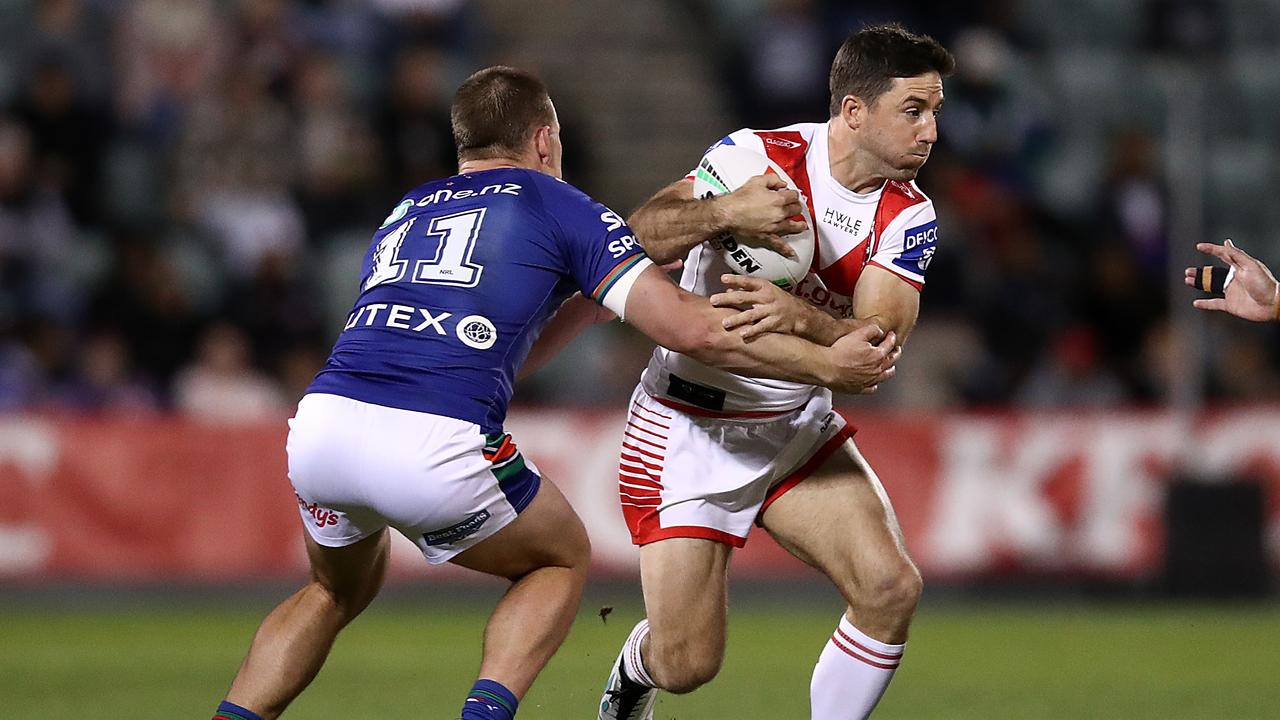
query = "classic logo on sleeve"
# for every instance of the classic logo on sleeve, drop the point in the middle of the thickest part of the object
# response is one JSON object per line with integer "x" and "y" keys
{"x": 918, "y": 248}
{"x": 781, "y": 142}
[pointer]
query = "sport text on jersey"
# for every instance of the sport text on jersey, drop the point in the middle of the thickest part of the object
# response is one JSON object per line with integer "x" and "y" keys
{"x": 620, "y": 246}
{"x": 474, "y": 331}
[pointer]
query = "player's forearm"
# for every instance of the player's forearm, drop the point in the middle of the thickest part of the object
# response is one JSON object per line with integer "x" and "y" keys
{"x": 825, "y": 330}
{"x": 772, "y": 355}
{"x": 689, "y": 324}
{"x": 671, "y": 223}
{"x": 822, "y": 329}
{"x": 574, "y": 316}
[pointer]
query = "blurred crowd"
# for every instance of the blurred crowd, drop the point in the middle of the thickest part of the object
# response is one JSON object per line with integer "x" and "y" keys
{"x": 172, "y": 173}
{"x": 1051, "y": 286}
{"x": 186, "y": 187}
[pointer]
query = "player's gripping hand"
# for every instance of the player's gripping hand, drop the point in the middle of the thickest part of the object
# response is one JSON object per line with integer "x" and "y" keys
{"x": 764, "y": 307}
{"x": 866, "y": 358}
{"x": 1252, "y": 294}
{"x": 762, "y": 211}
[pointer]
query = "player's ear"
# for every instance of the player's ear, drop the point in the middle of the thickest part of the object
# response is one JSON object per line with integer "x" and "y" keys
{"x": 542, "y": 143}
{"x": 852, "y": 111}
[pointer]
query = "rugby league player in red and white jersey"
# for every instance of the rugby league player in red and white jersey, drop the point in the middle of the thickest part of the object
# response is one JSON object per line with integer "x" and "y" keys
{"x": 707, "y": 454}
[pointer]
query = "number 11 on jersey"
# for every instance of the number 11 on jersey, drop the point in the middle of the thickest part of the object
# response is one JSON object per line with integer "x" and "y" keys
{"x": 452, "y": 262}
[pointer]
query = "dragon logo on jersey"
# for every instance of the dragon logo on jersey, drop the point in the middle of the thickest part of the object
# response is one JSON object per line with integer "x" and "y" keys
{"x": 918, "y": 248}
{"x": 401, "y": 210}
{"x": 477, "y": 331}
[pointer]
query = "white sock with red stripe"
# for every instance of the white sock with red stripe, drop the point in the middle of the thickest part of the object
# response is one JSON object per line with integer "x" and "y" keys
{"x": 632, "y": 660}
{"x": 852, "y": 673}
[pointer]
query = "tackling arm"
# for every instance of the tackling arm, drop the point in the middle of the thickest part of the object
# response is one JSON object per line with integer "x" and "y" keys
{"x": 688, "y": 324}
{"x": 881, "y": 299}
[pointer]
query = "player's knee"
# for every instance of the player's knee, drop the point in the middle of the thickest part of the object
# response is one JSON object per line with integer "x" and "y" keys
{"x": 896, "y": 592}
{"x": 893, "y": 591}
{"x": 571, "y": 550}
{"x": 343, "y": 601}
{"x": 683, "y": 667}
{"x": 351, "y": 596}
{"x": 576, "y": 546}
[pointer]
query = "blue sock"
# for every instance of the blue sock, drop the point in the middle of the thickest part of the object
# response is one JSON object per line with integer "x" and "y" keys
{"x": 489, "y": 700}
{"x": 231, "y": 711}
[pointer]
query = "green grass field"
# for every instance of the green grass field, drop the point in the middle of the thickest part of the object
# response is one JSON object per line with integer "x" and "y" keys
{"x": 966, "y": 660}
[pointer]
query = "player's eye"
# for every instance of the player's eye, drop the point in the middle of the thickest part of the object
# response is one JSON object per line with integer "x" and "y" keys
{"x": 913, "y": 112}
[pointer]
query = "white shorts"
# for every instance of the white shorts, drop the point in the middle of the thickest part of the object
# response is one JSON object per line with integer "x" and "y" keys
{"x": 358, "y": 468}
{"x": 683, "y": 474}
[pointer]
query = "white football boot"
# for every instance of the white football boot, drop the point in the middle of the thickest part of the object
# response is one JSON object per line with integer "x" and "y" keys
{"x": 623, "y": 698}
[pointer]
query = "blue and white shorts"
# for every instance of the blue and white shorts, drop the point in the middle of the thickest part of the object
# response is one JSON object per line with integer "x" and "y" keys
{"x": 358, "y": 468}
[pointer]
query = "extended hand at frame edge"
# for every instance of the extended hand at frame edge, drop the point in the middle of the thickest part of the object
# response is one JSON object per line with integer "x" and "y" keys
{"x": 1251, "y": 294}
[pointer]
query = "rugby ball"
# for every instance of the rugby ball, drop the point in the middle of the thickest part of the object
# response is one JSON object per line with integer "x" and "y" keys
{"x": 726, "y": 168}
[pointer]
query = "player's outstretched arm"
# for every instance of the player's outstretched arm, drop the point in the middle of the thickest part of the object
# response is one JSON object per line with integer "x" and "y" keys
{"x": 881, "y": 299}
{"x": 766, "y": 308}
{"x": 688, "y": 324}
{"x": 761, "y": 211}
{"x": 1252, "y": 294}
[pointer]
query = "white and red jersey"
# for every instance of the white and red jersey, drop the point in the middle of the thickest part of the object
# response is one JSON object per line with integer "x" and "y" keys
{"x": 893, "y": 227}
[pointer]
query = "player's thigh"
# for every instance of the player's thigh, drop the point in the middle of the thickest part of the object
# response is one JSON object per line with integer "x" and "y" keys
{"x": 840, "y": 521}
{"x": 685, "y": 583}
{"x": 353, "y": 573}
{"x": 547, "y": 533}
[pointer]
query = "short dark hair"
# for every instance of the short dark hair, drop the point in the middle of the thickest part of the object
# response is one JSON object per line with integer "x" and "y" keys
{"x": 872, "y": 57}
{"x": 496, "y": 110}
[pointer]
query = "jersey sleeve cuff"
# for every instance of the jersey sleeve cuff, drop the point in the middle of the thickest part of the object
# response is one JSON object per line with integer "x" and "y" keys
{"x": 613, "y": 290}
{"x": 915, "y": 282}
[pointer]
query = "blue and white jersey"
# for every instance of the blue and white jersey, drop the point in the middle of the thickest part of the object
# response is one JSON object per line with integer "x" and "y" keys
{"x": 460, "y": 280}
